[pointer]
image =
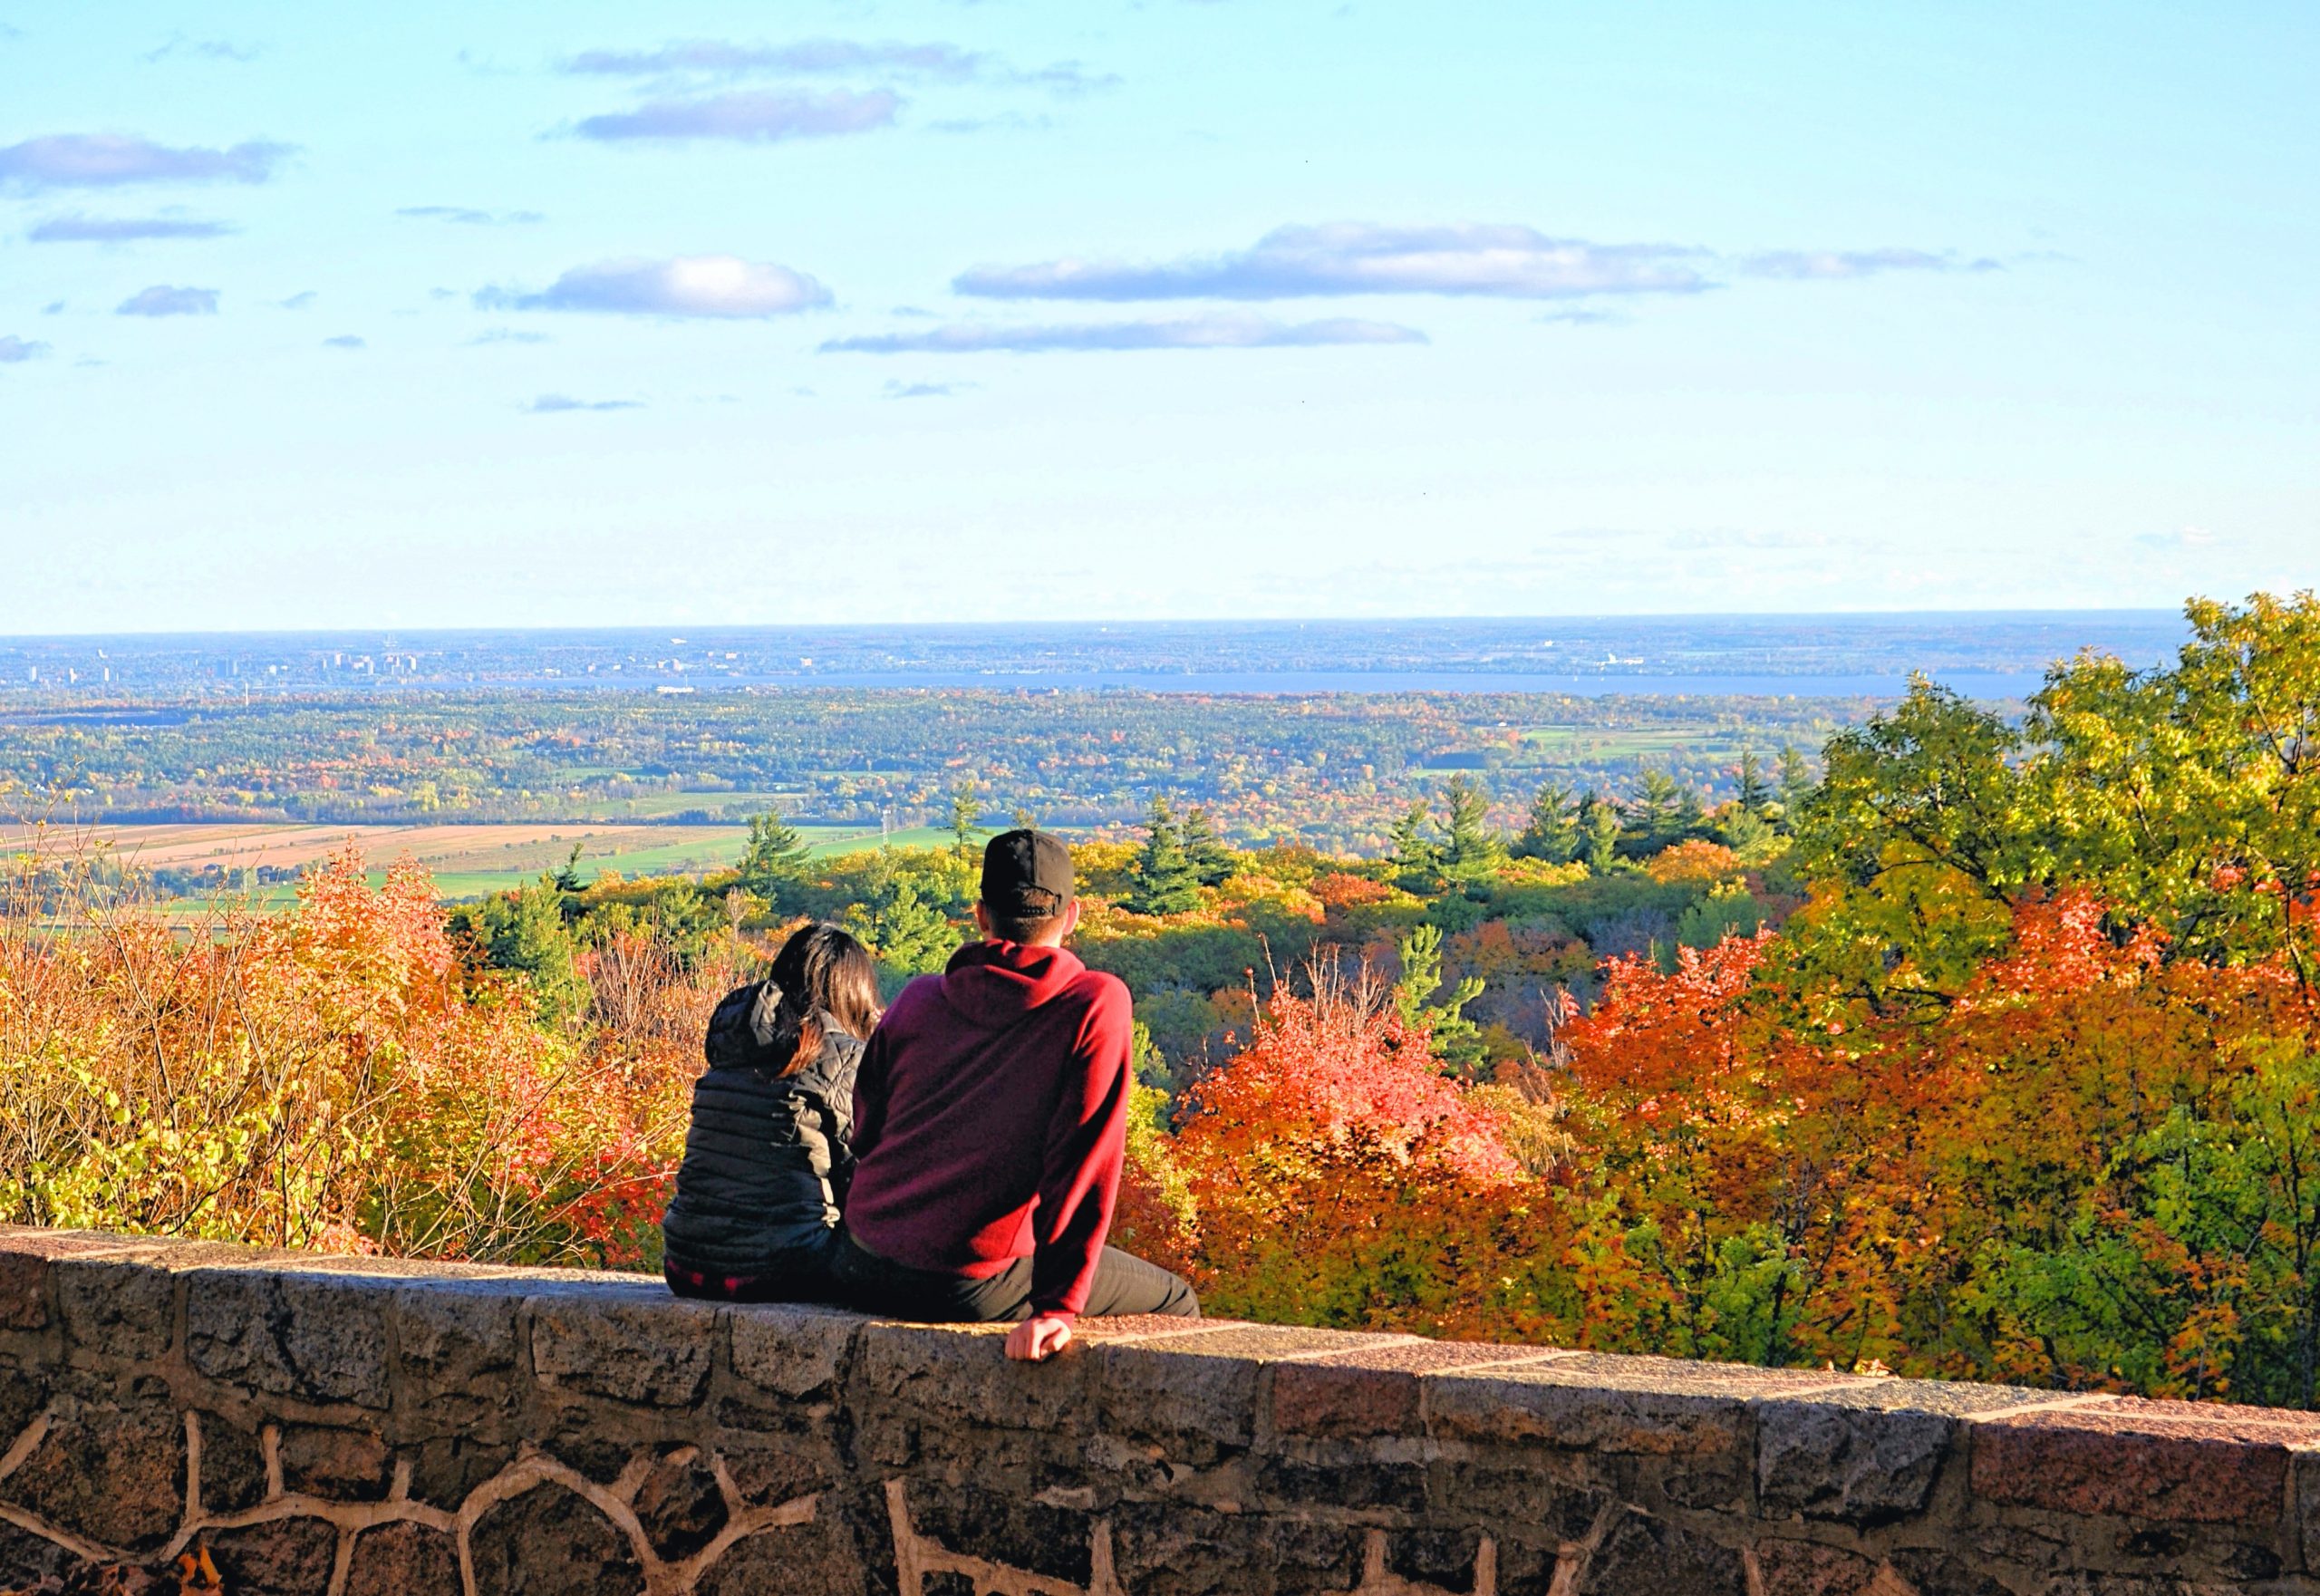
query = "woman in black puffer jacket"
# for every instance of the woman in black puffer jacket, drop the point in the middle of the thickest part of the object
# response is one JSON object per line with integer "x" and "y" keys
{"x": 767, "y": 1156}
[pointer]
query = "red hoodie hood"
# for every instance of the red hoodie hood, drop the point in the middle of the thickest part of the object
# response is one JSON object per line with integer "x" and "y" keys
{"x": 992, "y": 984}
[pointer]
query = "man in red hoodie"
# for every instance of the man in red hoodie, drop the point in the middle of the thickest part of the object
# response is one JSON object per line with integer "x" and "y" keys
{"x": 990, "y": 1121}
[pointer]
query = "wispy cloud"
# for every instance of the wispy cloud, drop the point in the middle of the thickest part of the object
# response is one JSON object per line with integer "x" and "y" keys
{"x": 161, "y": 300}
{"x": 803, "y": 57}
{"x": 1358, "y": 257}
{"x": 468, "y": 217}
{"x": 749, "y": 116}
{"x": 1820, "y": 264}
{"x": 2181, "y": 539}
{"x": 507, "y": 335}
{"x": 1499, "y": 260}
{"x": 549, "y": 404}
{"x": 109, "y": 229}
{"x": 206, "y": 49}
{"x": 813, "y": 57}
{"x": 689, "y": 285}
{"x": 15, "y": 351}
{"x": 298, "y": 300}
{"x": 926, "y": 390}
{"x": 345, "y": 340}
{"x": 1208, "y": 332}
{"x": 102, "y": 161}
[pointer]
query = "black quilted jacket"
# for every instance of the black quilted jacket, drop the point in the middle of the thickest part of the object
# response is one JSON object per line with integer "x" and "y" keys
{"x": 767, "y": 1156}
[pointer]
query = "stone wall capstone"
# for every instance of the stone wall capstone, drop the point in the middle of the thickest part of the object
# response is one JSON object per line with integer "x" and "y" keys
{"x": 334, "y": 1427}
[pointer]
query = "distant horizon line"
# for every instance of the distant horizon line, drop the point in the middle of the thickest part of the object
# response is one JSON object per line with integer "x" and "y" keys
{"x": 1141, "y": 624}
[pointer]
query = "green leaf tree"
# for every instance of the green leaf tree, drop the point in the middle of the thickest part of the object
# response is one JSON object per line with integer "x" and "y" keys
{"x": 966, "y": 807}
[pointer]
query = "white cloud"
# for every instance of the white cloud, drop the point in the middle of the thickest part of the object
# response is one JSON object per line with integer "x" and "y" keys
{"x": 689, "y": 285}
{"x": 1207, "y": 332}
{"x": 750, "y": 117}
{"x": 99, "y": 160}
{"x": 103, "y": 230}
{"x": 549, "y": 404}
{"x": 1358, "y": 257}
{"x": 468, "y": 217}
{"x": 1830, "y": 264}
{"x": 813, "y": 57}
{"x": 161, "y": 300}
{"x": 15, "y": 351}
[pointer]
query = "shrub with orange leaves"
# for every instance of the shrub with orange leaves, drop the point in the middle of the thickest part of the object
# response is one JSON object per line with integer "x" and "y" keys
{"x": 333, "y": 1077}
{"x": 1693, "y": 862}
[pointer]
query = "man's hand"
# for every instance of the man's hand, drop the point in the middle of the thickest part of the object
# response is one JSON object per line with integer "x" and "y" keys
{"x": 1039, "y": 1338}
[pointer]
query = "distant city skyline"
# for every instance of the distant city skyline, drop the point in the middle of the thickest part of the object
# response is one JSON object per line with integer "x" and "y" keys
{"x": 872, "y": 311}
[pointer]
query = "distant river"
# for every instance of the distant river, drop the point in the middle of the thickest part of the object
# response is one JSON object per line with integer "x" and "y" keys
{"x": 1973, "y": 684}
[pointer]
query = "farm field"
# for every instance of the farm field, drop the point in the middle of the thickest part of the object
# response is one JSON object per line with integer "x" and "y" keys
{"x": 467, "y": 861}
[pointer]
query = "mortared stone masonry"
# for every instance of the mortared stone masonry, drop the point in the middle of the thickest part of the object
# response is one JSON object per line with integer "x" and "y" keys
{"x": 331, "y": 1427}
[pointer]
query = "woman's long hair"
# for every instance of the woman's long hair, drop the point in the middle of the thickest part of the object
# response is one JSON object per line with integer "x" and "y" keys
{"x": 821, "y": 978}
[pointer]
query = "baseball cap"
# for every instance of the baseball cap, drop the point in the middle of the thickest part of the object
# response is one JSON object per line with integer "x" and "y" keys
{"x": 1027, "y": 874}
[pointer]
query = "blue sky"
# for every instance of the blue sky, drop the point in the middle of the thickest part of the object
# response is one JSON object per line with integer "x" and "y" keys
{"x": 583, "y": 314}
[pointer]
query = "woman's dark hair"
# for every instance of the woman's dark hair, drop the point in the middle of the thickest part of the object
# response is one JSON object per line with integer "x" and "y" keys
{"x": 822, "y": 977}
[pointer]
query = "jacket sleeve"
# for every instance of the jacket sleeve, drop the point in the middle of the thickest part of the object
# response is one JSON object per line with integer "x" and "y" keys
{"x": 870, "y": 1080}
{"x": 1087, "y": 1142}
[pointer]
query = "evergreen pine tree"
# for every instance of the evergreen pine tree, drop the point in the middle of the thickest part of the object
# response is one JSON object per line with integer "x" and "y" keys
{"x": 775, "y": 860}
{"x": 965, "y": 808}
{"x": 1211, "y": 860}
{"x": 1753, "y": 792}
{"x": 1471, "y": 849}
{"x": 1164, "y": 880}
{"x": 1416, "y": 861}
{"x": 1797, "y": 786}
{"x": 1455, "y": 1040}
{"x": 1552, "y": 834}
{"x": 1598, "y": 831}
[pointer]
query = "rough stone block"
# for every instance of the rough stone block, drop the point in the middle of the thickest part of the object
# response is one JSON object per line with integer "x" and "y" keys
{"x": 25, "y": 1254}
{"x": 318, "y": 1338}
{"x": 679, "y": 1505}
{"x": 1647, "y": 1555}
{"x": 26, "y": 1559}
{"x": 548, "y": 1541}
{"x": 1930, "y": 1571}
{"x": 1053, "y": 1542}
{"x": 1863, "y": 1456}
{"x": 961, "y": 1376}
{"x": 1441, "y": 1558}
{"x": 446, "y": 1469}
{"x": 818, "y": 1559}
{"x": 233, "y": 1466}
{"x": 340, "y": 1464}
{"x": 1164, "y": 1549}
{"x": 651, "y": 1352}
{"x": 23, "y": 1391}
{"x": 1606, "y": 1404}
{"x": 1517, "y": 1492}
{"x": 284, "y": 1557}
{"x": 1339, "y": 1476}
{"x": 1197, "y": 1389}
{"x": 767, "y": 1473}
{"x": 115, "y": 1308}
{"x": 112, "y": 1472}
{"x": 1374, "y": 1391}
{"x": 801, "y": 1354}
{"x": 1801, "y": 1568}
{"x": 403, "y": 1559}
{"x": 2188, "y": 1462}
{"x": 2308, "y": 1506}
{"x": 453, "y": 1342}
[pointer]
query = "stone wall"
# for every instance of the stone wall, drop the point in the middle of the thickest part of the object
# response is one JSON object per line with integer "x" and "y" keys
{"x": 374, "y": 1428}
